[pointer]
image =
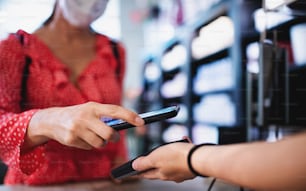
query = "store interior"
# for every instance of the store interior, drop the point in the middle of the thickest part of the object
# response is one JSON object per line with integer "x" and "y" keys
{"x": 237, "y": 69}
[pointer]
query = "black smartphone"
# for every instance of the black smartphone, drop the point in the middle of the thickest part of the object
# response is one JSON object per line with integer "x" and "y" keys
{"x": 149, "y": 117}
{"x": 127, "y": 170}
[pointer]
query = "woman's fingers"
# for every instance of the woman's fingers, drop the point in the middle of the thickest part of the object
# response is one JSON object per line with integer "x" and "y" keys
{"x": 80, "y": 144}
{"x": 94, "y": 123}
{"x": 100, "y": 129}
{"x": 96, "y": 133}
{"x": 80, "y": 125}
{"x": 93, "y": 139}
{"x": 119, "y": 112}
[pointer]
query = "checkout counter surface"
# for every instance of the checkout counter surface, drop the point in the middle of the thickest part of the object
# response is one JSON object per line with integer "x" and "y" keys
{"x": 141, "y": 185}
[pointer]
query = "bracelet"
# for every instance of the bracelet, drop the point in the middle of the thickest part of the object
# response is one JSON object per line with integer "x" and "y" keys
{"x": 192, "y": 150}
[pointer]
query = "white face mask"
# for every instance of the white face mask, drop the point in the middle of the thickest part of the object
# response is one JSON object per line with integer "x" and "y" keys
{"x": 81, "y": 13}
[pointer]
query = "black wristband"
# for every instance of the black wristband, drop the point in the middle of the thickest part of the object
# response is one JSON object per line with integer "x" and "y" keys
{"x": 192, "y": 150}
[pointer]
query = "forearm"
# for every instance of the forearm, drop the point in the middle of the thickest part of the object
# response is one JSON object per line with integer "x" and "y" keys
{"x": 264, "y": 165}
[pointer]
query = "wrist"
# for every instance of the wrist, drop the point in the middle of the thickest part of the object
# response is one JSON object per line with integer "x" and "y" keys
{"x": 191, "y": 155}
{"x": 36, "y": 133}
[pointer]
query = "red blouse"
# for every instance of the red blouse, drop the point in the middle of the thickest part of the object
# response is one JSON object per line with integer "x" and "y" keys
{"x": 48, "y": 85}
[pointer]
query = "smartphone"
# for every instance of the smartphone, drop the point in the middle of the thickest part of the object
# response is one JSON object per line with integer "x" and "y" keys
{"x": 149, "y": 117}
{"x": 127, "y": 170}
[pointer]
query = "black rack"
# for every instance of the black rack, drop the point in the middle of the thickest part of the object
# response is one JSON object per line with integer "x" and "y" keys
{"x": 281, "y": 99}
{"x": 231, "y": 9}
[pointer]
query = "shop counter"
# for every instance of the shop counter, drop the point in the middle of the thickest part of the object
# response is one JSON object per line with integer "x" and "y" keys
{"x": 140, "y": 185}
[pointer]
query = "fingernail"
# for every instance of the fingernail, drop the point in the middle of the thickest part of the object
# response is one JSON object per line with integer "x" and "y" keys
{"x": 134, "y": 165}
{"x": 104, "y": 143}
{"x": 139, "y": 121}
{"x": 116, "y": 137}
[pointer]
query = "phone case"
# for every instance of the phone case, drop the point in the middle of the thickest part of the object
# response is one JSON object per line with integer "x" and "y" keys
{"x": 148, "y": 117}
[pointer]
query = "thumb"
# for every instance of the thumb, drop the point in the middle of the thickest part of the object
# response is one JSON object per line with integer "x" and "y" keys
{"x": 141, "y": 164}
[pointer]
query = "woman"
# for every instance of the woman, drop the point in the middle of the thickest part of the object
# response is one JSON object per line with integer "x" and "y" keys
{"x": 53, "y": 133}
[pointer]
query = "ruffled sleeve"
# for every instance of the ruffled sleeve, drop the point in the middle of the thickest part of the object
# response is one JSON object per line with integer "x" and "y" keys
{"x": 13, "y": 122}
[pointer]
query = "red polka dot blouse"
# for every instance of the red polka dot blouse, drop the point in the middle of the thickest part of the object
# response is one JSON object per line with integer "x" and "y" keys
{"x": 48, "y": 85}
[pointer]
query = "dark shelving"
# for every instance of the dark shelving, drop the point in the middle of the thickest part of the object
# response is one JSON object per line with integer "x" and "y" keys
{"x": 237, "y": 15}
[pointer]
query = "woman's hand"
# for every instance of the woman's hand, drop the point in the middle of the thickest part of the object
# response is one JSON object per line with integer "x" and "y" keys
{"x": 77, "y": 126}
{"x": 168, "y": 162}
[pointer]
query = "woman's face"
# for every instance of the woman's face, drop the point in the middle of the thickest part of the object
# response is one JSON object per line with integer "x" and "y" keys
{"x": 81, "y": 13}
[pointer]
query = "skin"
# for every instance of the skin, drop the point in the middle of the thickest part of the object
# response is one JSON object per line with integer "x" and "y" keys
{"x": 80, "y": 125}
{"x": 77, "y": 126}
{"x": 74, "y": 46}
{"x": 259, "y": 165}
